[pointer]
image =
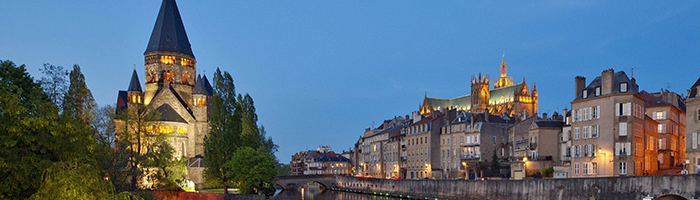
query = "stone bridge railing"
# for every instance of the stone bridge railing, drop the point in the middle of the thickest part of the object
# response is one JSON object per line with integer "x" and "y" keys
{"x": 294, "y": 182}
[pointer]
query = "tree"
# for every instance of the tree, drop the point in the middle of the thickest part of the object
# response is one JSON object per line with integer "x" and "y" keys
{"x": 233, "y": 124}
{"x": 54, "y": 82}
{"x": 283, "y": 169}
{"x": 495, "y": 166}
{"x": 78, "y": 103}
{"x": 252, "y": 171}
{"x": 224, "y": 135}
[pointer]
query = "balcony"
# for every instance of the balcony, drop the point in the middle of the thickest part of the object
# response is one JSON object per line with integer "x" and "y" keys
{"x": 567, "y": 158}
{"x": 521, "y": 142}
{"x": 471, "y": 157}
{"x": 533, "y": 145}
{"x": 318, "y": 168}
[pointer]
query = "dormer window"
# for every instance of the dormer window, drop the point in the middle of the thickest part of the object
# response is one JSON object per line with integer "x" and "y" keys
{"x": 597, "y": 91}
{"x": 623, "y": 87}
{"x": 585, "y": 94}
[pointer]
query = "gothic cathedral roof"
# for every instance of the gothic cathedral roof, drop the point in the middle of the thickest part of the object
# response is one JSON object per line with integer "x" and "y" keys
{"x": 169, "y": 33}
{"x": 135, "y": 84}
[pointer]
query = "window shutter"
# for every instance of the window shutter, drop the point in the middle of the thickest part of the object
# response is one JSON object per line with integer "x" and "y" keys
{"x": 627, "y": 107}
{"x": 664, "y": 114}
{"x": 695, "y": 140}
{"x": 617, "y": 149}
{"x": 629, "y": 149}
{"x": 590, "y": 113}
{"x": 597, "y": 112}
{"x": 617, "y": 109}
{"x": 573, "y": 153}
{"x": 594, "y": 150}
{"x": 573, "y": 115}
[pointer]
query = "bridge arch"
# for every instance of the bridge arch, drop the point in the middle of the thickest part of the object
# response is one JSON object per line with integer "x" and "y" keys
{"x": 671, "y": 197}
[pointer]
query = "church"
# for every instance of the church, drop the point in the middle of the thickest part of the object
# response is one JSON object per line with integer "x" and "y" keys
{"x": 173, "y": 87}
{"x": 506, "y": 98}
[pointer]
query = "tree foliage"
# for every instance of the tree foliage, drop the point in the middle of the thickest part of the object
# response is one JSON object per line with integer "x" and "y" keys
{"x": 233, "y": 124}
{"x": 252, "y": 171}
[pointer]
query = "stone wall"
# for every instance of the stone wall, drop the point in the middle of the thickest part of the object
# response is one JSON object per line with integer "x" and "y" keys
{"x": 534, "y": 189}
{"x": 171, "y": 195}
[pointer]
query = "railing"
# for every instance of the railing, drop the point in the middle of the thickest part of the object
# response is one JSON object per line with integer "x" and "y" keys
{"x": 473, "y": 156}
{"x": 567, "y": 158}
{"x": 521, "y": 142}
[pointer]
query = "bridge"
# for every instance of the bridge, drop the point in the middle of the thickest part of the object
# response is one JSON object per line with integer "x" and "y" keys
{"x": 294, "y": 182}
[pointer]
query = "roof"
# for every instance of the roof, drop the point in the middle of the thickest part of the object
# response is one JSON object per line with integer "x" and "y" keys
{"x": 199, "y": 87}
{"x": 481, "y": 117}
{"x": 652, "y": 101}
{"x": 330, "y": 157}
{"x": 694, "y": 89}
{"x": 182, "y": 102}
{"x": 122, "y": 100}
{"x": 506, "y": 93}
{"x": 207, "y": 86}
{"x": 548, "y": 123}
{"x": 135, "y": 85}
{"x": 169, "y": 33}
{"x": 167, "y": 113}
{"x": 618, "y": 77}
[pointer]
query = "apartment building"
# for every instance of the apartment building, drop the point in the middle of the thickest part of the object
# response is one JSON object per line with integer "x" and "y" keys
{"x": 693, "y": 128}
{"x": 563, "y": 168}
{"x": 668, "y": 108}
{"x": 372, "y": 161}
{"x": 423, "y": 146}
{"x": 608, "y": 126}
{"x": 651, "y": 146}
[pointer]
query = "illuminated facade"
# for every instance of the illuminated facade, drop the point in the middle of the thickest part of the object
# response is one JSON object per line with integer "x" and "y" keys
{"x": 173, "y": 88}
{"x": 506, "y": 98}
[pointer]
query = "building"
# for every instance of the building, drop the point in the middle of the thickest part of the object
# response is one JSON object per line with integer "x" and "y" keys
{"x": 423, "y": 147}
{"x": 506, "y": 98}
{"x": 173, "y": 88}
{"x": 693, "y": 128}
{"x": 297, "y": 164}
{"x": 484, "y": 136}
{"x": 372, "y": 161}
{"x": 651, "y": 146}
{"x": 327, "y": 163}
{"x": 608, "y": 126}
{"x": 563, "y": 168}
{"x": 668, "y": 109}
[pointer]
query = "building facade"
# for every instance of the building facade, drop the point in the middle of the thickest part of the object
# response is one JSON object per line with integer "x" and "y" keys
{"x": 173, "y": 88}
{"x": 506, "y": 98}
{"x": 693, "y": 128}
{"x": 668, "y": 109}
{"x": 608, "y": 126}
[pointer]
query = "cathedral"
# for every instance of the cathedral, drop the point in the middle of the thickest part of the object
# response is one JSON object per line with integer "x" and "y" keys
{"x": 173, "y": 87}
{"x": 506, "y": 98}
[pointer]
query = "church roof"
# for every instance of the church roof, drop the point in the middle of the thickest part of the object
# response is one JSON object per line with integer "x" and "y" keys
{"x": 507, "y": 93}
{"x": 169, "y": 33}
{"x": 167, "y": 113}
{"x": 135, "y": 84}
{"x": 199, "y": 87}
{"x": 207, "y": 86}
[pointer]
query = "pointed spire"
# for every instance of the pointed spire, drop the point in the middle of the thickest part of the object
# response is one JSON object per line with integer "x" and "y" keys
{"x": 135, "y": 85}
{"x": 207, "y": 85}
{"x": 169, "y": 33}
{"x": 199, "y": 86}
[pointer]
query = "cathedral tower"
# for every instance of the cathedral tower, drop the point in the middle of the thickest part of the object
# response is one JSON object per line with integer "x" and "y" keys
{"x": 480, "y": 93}
{"x": 169, "y": 59}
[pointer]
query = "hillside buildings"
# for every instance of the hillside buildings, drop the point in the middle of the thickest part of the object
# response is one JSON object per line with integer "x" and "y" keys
{"x": 320, "y": 161}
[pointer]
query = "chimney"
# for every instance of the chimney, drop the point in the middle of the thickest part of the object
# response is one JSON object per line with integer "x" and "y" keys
{"x": 607, "y": 81}
{"x": 544, "y": 116}
{"x": 486, "y": 115}
{"x": 580, "y": 84}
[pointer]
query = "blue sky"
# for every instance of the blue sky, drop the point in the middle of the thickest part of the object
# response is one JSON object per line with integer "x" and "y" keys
{"x": 321, "y": 72}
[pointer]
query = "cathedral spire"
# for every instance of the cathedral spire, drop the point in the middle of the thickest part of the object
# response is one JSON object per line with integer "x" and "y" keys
{"x": 135, "y": 84}
{"x": 503, "y": 81}
{"x": 169, "y": 33}
{"x": 503, "y": 66}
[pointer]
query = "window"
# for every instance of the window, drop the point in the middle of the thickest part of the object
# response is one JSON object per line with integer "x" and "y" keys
{"x": 585, "y": 132}
{"x": 660, "y": 128}
{"x": 576, "y": 168}
{"x": 623, "y": 87}
{"x": 595, "y": 167}
{"x": 585, "y": 168}
{"x": 494, "y": 139}
{"x": 585, "y": 114}
{"x": 623, "y": 129}
{"x": 694, "y": 142}
{"x": 623, "y": 167}
{"x": 585, "y": 94}
{"x": 597, "y": 91}
{"x": 576, "y": 133}
{"x": 698, "y": 114}
{"x": 659, "y": 115}
{"x": 594, "y": 131}
{"x": 594, "y": 112}
{"x": 578, "y": 151}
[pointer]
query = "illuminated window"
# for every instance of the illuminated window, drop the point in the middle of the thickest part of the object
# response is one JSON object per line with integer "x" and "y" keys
{"x": 167, "y": 59}
{"x": 133, "y": 99}
{"x": 139, "y": 98}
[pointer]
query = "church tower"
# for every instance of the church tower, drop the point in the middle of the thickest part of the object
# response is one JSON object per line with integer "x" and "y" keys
{"x": 480, "y": 93}
{"x": 503, "y": 81}
{"x": 169, "y": 59}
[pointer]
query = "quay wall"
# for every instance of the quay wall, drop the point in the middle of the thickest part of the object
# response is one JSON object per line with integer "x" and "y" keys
{"x": 634, "y": 187}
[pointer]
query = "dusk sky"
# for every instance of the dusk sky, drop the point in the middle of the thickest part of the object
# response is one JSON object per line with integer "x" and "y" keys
{"x": 321, "y": 72}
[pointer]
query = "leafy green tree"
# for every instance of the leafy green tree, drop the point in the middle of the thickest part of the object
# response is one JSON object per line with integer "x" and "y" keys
{"x": 283, "y": 169}
{"x": 78, "y": 103}
{"x": 225, "y": 133}
{"x": 252, "y": 171}
{"x": 233, "y": 124}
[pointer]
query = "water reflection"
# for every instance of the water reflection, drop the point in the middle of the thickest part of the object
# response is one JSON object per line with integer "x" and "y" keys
{"x": 310, "y": 193}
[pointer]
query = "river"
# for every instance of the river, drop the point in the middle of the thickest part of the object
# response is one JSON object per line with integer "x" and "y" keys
{"x": 320, "y": 194}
